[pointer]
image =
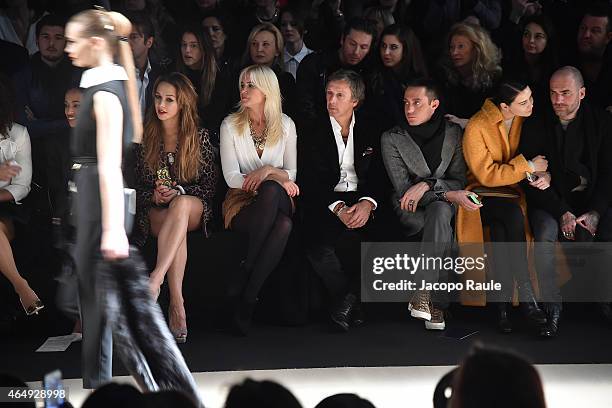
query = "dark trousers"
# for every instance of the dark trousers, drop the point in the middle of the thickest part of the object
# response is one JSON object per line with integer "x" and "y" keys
{"x": 334, "y": 250}
{"x": 507, "y": 224}
{"x": 546, "y": 230}
{"x": 435, "y": 224}
{"x": 116, "y": 305}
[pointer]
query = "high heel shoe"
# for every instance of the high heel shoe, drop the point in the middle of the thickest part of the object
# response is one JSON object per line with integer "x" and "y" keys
{"x": 34, "y": 308}
{"x": 180, "y": 333}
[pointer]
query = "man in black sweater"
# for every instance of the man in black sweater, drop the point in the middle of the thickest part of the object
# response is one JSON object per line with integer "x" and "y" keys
{"x": 358, "y": 37}
{"x": 577, "y": 142}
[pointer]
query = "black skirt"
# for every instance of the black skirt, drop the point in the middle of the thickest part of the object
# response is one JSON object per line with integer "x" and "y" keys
{"x": 18, "y": 213}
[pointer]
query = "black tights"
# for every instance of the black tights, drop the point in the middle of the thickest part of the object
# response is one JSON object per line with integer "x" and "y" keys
{"x": 267, "y": 221}
{"x": 507, "y": 224}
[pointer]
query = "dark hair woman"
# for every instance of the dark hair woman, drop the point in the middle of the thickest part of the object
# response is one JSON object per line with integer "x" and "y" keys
{"x": 400, "y": 61}
{"x": 490, "y": 144}
{"x": 176, "y": 180}
{"x": 536, "y": 58}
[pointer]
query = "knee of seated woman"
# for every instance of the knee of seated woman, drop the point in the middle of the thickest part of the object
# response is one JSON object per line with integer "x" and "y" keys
{"x": 182, "y": 202}
{"x": 270, "y": 187}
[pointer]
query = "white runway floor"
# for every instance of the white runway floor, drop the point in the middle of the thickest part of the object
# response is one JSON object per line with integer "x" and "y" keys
{"x": 566, "y": 386}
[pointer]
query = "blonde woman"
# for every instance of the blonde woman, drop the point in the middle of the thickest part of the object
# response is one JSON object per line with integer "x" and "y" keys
{"x": 259, "y": 160}
{"x": 470, "y": 71}
{"x": 265, "y": 47}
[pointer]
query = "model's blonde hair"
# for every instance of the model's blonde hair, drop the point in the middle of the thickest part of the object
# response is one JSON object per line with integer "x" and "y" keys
{"x": 113, "y": 27}
{"x": 486, "y": 67}
{"x": 188, "y": 160}
{"x": 278, "y": 62}
{"x": 265, "y": 80}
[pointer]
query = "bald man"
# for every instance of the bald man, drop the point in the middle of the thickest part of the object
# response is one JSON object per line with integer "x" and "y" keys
{"x": 577, "y": 142}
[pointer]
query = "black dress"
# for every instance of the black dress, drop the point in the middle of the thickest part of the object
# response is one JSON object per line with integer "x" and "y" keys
{"x": 114, "y": 296}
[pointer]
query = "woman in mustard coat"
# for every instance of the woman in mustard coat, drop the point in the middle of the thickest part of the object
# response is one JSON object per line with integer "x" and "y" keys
{"x": 490, "y": 145}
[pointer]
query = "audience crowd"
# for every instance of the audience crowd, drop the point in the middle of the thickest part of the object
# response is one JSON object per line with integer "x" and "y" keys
{"x": 439, "y": 117}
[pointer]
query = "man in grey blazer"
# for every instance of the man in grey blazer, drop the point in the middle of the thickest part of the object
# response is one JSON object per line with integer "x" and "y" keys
{"x": 424, "y": 160}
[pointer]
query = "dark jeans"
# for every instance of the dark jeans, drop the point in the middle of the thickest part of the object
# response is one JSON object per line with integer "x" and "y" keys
{"x": 546, "y": 230}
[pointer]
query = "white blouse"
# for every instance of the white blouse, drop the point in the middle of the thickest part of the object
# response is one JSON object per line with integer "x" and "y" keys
{"x": 17, "y": 147}
{"x": 239, "y": 156}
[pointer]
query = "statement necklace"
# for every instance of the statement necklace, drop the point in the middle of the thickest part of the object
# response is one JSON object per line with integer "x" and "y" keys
{"x": 259, "y": 141}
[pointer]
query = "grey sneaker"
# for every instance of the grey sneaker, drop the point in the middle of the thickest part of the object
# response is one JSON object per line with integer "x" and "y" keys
{"x": 419, "y": 305}
{"x": 437, "y": 320}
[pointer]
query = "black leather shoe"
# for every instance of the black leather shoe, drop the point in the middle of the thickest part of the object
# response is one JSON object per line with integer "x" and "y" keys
{"x": 503, "y": 317}
{"x": 341, "y": 314}
{"x": 357, "y": 317}
{"x": 551, "y": 328}
{"x": 529, "y": 305}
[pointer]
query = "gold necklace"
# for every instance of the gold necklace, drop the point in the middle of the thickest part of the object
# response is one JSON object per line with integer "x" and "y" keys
{"x": 259, "y": 141}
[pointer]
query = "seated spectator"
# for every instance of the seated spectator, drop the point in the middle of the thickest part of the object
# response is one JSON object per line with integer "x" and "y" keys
{"x": 424, "y": 160}
{"x": 576, "y": 141}
{"x": 490, "y": 144}
{"x": 217, "y": 27}
{"x": 344, "y": 401}
{"x": 259, "y": 160}
{"x": 338, "y": 181}
{"x": 198, "y": 63}
{"x": 357, "y": 39}
{"x": 269, "y": 394}
{"x": 496, "y": 378}
{"x": 292, "y": 28}
{"x": 265, "y": 47}
{"x": 537, "y": 58}
{"x": 595, "y": 53}
{"x": 381, "y": 16}
{"x": 42, "y": 86}
{"x": 141, "y": 41}
{"x": 400, "y": 61}
{"x": 165, "y": 29}
{"x": 61, "y": 166}
{"x": 470, "y": 71}
{"x": 176, "y": 180}
{"x": 15, "y": 178}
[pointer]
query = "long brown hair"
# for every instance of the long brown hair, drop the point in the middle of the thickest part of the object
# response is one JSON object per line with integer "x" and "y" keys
{"x": 115, "y": 28}
{"x": 209, "y": 64}
{"x": 188, "y": 158}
